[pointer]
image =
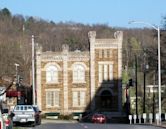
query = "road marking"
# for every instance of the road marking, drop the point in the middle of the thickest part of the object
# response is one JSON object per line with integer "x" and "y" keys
{"x": 85, "y": 127}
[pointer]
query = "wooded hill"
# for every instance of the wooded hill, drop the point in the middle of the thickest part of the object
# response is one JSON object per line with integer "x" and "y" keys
{"x": 16, "y": 32}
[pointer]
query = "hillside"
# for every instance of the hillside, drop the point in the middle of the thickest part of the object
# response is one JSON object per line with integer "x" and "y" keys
{"x": 16, "y": 32}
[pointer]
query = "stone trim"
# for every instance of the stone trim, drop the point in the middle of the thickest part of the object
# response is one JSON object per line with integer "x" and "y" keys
{"x": 38, "y": 81}
{"x": 106, "y": 88}
{"x": 92, "y": 39}
{"x": 51, "y": 57}
{"x": 106, "y": 62}
{"x": 79, "y": 63}
{"x": 52, "y": 63}
{"x": 79, "y": 89}
{"x": 119, "y": 36}
{"x": 52, "y": 89}
{"x": 65, "y": 83}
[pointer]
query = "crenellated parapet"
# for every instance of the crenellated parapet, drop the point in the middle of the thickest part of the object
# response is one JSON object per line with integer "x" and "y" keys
{"x": 118, "y": 35}
{"x": 38, "y": 49}
{"x": 92, "y": 34}
{"x": 65, "y": 48}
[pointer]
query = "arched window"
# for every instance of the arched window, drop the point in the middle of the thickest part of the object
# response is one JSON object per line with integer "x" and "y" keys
{"x": 51, "y": 74}
{"x": 78, "y": 73}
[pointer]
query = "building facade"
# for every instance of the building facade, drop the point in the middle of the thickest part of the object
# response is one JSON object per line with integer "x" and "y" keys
{"x": 76, "y": 81}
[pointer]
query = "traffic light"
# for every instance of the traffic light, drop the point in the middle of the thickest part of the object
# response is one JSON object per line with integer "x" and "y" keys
{"x": 130, "y": 82}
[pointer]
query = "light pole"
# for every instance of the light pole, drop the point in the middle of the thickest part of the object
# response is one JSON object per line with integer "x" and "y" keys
{"x": 159, "y": 62}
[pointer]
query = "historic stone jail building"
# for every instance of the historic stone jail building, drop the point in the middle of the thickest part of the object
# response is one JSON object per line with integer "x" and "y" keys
{"x": 78, "y": 81}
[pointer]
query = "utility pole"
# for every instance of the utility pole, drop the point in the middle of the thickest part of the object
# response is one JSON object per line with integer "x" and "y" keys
{"x": 33, "y": 71}
{"x": 144, "y": 68}
{"x": 16, "y": 71}
{"x": 17, "y": 82}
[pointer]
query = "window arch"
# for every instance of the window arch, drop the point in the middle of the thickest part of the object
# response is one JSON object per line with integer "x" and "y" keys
{"x": 51, "y": 74}
{"x": 78, "y": 73}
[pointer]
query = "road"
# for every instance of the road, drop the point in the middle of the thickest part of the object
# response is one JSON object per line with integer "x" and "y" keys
{"x": 90, "y": 126}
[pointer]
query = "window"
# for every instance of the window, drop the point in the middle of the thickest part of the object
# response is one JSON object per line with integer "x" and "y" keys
{"x": 79, "y": 98}
{"x": 52, "y": 98}
{"x": 82, "y": 98}
{"x": 51, "y": 74}
{"x": 110, "y": 53}
{"x": 105, "y": 71}
{"x": 75, "y": 99}
{"x": 111, "y": 72}
{"x": 105, "y": 53}
{"x": 100, "y": 74}
{"x": 100, "y": 53}
{"x": 78, "y": 73}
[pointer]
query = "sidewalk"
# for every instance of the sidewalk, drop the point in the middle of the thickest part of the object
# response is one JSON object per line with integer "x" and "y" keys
{"x": 163, "y": 124}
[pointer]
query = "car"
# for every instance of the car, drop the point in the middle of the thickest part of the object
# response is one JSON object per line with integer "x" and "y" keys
{"x": 99, "y": 118}
{"x": 6, "y": 119}
{"x": 2, "y": 124}
{"x": 27, "y": 114}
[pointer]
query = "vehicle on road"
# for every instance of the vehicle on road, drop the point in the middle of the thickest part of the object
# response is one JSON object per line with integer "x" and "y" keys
{"x": 26, "y": 114}
{"x": 99, "y": 118}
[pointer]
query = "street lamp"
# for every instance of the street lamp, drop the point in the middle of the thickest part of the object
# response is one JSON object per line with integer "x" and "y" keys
{"x": 159, "y": 62}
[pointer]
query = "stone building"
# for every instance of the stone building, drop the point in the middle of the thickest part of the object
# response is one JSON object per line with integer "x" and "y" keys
{"x": 76, "y": 81}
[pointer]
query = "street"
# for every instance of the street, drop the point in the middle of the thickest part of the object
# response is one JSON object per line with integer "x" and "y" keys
{"x": 89, "y": 126}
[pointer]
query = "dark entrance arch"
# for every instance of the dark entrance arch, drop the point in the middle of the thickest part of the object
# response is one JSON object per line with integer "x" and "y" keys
{"x": 104, "y": 101}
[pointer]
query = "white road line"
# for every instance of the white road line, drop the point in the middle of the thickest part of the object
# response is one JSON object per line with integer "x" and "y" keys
{"x": 85, "y": 127}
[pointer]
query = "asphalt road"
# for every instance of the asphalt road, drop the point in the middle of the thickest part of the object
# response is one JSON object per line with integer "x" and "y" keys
{"x": 90, "y": 126}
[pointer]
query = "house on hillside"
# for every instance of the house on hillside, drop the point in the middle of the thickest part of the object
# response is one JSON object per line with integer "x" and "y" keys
{"x": 11, "y": 95}
{"x": 77, "y": 81}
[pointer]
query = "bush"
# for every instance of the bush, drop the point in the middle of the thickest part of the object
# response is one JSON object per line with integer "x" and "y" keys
{"x": 65, "y": 117}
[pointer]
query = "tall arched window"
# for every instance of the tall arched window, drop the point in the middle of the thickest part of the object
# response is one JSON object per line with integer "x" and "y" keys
{"x": 51, "y": 74}
{"x": 78, "y": 73}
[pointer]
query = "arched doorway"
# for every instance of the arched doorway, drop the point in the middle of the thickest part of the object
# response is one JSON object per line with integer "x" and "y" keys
{"x": 104, "y": 101}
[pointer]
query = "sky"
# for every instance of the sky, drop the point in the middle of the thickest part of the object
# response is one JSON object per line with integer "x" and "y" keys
{"x": 115, "y": 13}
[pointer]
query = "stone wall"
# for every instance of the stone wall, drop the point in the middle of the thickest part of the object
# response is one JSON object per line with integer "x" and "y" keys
{"x": 111, "y": 52}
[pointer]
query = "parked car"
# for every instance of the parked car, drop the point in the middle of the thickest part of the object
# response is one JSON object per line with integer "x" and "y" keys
{"x": 2, "y": 125}
{"x": 99, "y": 118}
{"x": 26, "y": 114}
{"x": 6, "y": 119}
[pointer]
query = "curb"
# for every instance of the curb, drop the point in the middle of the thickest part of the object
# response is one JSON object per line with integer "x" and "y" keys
{"x": 44, "y": 121}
